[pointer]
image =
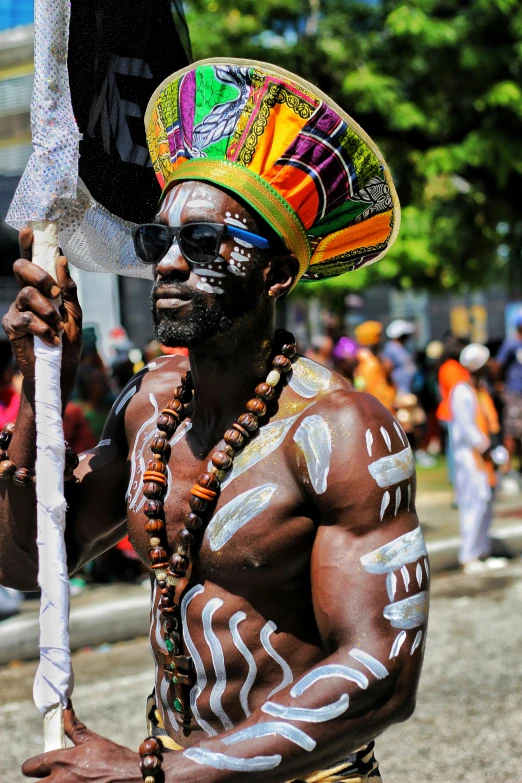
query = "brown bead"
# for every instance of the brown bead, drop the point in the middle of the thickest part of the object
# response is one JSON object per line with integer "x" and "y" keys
{"x": 9, "y": 428}
{"x": 154, "y": 525}
{"x": 157, "y": 466}
{"x": 6, "y": 435}
{"x": 289, "y": 350}
{"x": 257, "y": 406}
{"x": 265, "y": 391}
{"x": 221, "y": 460}
{"x": 185, "y": 537}
{"x": 283, "y": 336}
{"x": 192, "y": 521}
{"x": 197, "y": 504}
{"x": 186, "y": 379}
{"x": 150, "y": 763}
{"x": 234, "y": 439}
{"x": 209, "y": 481}
{"x": 176, "y": 406}
{"x": 248, "y": 421}
{"x": 245, "y": 433}
{"x": 152, "y": 489}
{"x": 157, "y": 555}
{"x": 166, "y": 601}
{"x": 7, "y": 468}
{"x": 162, "y": 584}
{"x": 178, "y": 564}
{"x": 160, "y": 446}
{"x": 170, "y": 625}
{"x": 281, "y": 363}
{"x": 184, "y": 394}
{"x": 167, "y": 423}
{"x": 150, "y": 747}
{"x": 3, "y": 455}
{"x": 23, "y": 477}
{"x": 153, "y": 508}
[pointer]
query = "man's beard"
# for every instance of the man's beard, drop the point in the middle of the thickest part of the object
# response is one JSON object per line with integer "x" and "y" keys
{"x": 201, "y": 323}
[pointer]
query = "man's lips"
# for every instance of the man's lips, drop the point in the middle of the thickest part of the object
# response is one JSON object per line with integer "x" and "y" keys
{"x": 169, "y": 299}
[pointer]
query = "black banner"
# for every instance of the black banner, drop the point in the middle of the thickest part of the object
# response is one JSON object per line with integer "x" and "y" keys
{"x": 119, "y": 52}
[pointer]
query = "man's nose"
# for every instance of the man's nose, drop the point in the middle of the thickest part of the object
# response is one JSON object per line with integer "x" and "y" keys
{"x": 173, "y": 264}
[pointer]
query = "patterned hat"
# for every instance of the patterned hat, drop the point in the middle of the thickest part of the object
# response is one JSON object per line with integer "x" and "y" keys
{"x": 283, "y": 146}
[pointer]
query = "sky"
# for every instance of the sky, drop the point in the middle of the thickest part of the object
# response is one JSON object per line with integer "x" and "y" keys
{"x": 15, "y": 12}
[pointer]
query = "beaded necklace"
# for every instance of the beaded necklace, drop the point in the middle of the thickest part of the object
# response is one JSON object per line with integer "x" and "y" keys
{"x": 171, "y": 572}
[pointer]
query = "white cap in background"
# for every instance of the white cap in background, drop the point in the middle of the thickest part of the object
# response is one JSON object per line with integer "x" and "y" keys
{"x": 400, "y": 328}
{"x": 474, "y": 356}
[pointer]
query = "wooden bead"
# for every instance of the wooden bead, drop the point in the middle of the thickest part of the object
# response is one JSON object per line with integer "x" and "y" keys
{"x": 197, "y": 504}
{"x": 185, "y": 537}
{"x": 184, "y": 394}
{"x": 166, "y": 601}
{"x": 154, "y": 525}
{"x": 152, "y": 489}
{"x": 23, "y": 477}
{"x": 178, "y": 564}
{"x": 281, "y": 363}
{"x": 257, "y": 406}
{"x": 3, "y": 455}
{"x": 265, "y": 391}
{"x": 289, "y": 350}
{"x": 153, "y": 508}
{"x": 175, "y": 406}
{"x": 170, "y": 625}
{"x": 186, "y": 379}
{"x": 162, "y": 583}
{"x": 234, "y": 439}
{"x": 283, "y": 336}
{"x": 150, "y": 763}
{"x": 7, "y": 469}
{"x": 219, "y": 474}
{"x": 167, "y": 423}
{"x": 157, "y": 555}
{"x": 157, "y": 466}
{"x": 249, "y": 421}
{"x": 245, "y": 433}
{"x": 273, "y": 377}
{"x": 209, "y": 481}
{"x": 150, "y": 747}
{"x": 160, "y": 446}
{"x": 192, "y": 521}
{"x": 221, "y": 460}
{"x": 203, "y": 494}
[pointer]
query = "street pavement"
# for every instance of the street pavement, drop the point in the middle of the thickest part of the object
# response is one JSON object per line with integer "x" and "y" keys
{"x": 467, "y": 727}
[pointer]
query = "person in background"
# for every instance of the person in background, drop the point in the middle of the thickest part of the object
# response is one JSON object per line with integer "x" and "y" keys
{"x": 402, "y": 365}
{"x": 474, "y": 422}
{"x": 508, "y": 365}
{"x": 372, "y": 375}
{"x": 345, "y": 358}
{"x": 9, "y": 396}
{"x": 320, "y": 350}
{"x": 94, "y": 396}
{"x": 450, "y": 373}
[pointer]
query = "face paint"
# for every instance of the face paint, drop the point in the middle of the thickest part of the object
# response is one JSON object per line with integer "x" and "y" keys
{"x": 291, "y": 733}
{"x": 209, "y": 289}
{"x": 308, "y": 715}
{"x": 288, "y": 677}
{"x": 204, "y": 273}
{"x": 371, "y": 663}
{"x": 201, "y": 680}
{"x": 405, "y": 577}
{"x": 174, "y": 203}
{"x": 307, "y": 378}
{"x": 416, "y": 642}
{"x": 314, "y": 439}
{"x": 234, "y": 221}
{"x": 330, "y": 670}
{"x": 369, "y": 442}
{"x": 386, "y": 438}
{"x": 219, "y": 663}
{"x": 393, "y": 469}
{"x": 396, "y": 646}
{"x": 408, "y": 613}
{"x": 126, "y": 397}
{"x": 402, "y": 550}
{"x": 235, "y": 514}
{"x": 220, "y": 761}
{"x": 391, "y": 585}
{"x": 385, "y": 503}
{"x": 200, "y": 203}
{"x": 247, "y": 655}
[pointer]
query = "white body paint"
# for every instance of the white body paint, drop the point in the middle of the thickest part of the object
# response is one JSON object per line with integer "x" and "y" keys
{"x": 371, "y": 663}
{"x": 237, "y": 513}
{"x": 126, "y": 397}
{"x": 219, "y": 662}
{"x": 247, "y": 655}
{"x": 105, "y": 442}
{"x": 391, "y": 585}
{"x": 416, "y": 642}
{"x": 308, "y": 714}
{"x": 291, "y": 733}
{"x": 314, "y": 439}
{"x": 220, "y": 761}
{"x": 406, "y": 577}
{"x": 393, "y": 469}
{"x": 308, "y": 378}
{"x": 418, "y": 574}
{"x": 400, "y": 433}
{"x": 396, "y": 646}
{"x": 266, "y": 632}
{"x": 427, "y": 568}
{"x": 402, "y": 550}
{"x": 369, "y": 442}
{"x": 330, "y": 670}
{"x": 385, "y": 502}
{"x": 398, "y": 496}
{"x": 386, "y": 437}
{"x": 201, "y": 677}
{"x": 408, "y": 613}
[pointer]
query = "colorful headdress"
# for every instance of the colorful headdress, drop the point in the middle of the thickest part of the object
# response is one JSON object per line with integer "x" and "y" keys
{"x": 282, "y": 145}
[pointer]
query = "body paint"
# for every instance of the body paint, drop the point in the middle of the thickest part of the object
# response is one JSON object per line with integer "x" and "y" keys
{"x": 126, "y": 397}
{"x": 386, "y": 438}
{"x": 391, "y": 585}
{"x": 201, "y": 677}
{"x": 416, "y": 642}
{"x": 398, "y": 495}
{"x": 330, "y": 670}
{"x": 396, "y": 646}
{"x": 219, "y": 662}
{"x": 291, "y": 733}
{"x": 247, "y": 655}
{"x": 369, "y": 442}
{"x": 390, "y": 557}
{"x": 308, "y": 714}
{"x": 406, "y": 577}
{"x": 371, "y": 663}
{"x": 393, "y": 469}
{"x": 400, "y": 433}
{"x": 237, "y": 513}
{"x": 409, "y": 496}
{"x": 314, "y": 439}
{"x": 266, "y": 632}
{"x": 308, "y": 378}
{"x": 418, "y": 574}
{"x": 219, "y": 761}
{"x": 427, "y": 568}
{"x": 408, "y": 613}
{"x": 133, "y": 490}
{"x": 385, "y": 502}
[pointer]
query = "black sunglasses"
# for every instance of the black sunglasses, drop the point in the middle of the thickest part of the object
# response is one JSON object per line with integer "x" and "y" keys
{"x": 199, "y": 243}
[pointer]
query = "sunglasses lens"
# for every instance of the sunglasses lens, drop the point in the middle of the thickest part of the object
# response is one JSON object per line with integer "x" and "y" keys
{"x": 200, "y": 243}
{"x": 151, "y": 243}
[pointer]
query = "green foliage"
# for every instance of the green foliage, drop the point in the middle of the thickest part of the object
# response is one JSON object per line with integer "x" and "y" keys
{"x": 437, "y": 84}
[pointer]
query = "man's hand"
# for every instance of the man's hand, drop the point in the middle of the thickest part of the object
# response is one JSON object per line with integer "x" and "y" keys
{"x": 33, "y": 314}
{"x": 93, "y": 759}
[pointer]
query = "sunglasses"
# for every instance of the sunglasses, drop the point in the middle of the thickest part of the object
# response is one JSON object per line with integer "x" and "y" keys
{"x": 199, "y": 243}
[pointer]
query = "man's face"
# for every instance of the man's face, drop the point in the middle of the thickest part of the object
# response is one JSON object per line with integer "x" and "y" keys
{"x": 191, "y": 304}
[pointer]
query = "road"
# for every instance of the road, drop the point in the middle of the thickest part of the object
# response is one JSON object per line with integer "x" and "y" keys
{"x": 467, "y": 727}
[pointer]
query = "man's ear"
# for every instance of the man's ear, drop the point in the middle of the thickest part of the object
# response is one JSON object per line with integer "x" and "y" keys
{"x": 281, "y": 275}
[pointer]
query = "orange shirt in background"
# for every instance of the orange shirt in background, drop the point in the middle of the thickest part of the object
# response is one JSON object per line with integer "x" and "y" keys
{"x": 451, "y": 372}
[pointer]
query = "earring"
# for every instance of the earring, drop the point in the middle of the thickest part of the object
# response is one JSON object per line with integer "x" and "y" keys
{"x": 270, "y": 293}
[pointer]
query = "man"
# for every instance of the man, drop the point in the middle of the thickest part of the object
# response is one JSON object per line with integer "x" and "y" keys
{"x": 288, "y": 627}
{"x": 508, "y": 364}
{"x": 473, "y": 423}
{"x": 372, "y": 375}
{"x": 395, "y": 351}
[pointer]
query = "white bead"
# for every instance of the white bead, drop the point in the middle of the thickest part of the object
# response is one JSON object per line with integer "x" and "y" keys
{"x": 155, "y": 542}
{"x": 161, "y": 575}
{"x": 273, "y": 377}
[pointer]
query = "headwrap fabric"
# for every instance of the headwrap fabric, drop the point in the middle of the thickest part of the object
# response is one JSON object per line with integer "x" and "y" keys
{"x": 368, "y": 333}
{"x": 282, "y": 145}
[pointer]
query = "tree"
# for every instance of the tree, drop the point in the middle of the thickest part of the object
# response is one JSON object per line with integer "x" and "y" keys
{"x": 437, "y": 84}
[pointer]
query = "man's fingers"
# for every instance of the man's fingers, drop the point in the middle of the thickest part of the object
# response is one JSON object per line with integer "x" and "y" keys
{"x": 20, "y": 324}
{"x": 31, "y": 299}
{"x": 25, "y": 239}
{"x": 65, "y": 281}
{"x": 75, "y": 729}
{"x": 28, "y": 273}
{"x": 39, "y": 766}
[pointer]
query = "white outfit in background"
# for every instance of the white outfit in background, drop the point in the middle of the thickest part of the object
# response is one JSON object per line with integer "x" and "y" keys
{"x": 473, "y": 491}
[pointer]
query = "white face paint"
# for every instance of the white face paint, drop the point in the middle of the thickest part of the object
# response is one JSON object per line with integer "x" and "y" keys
{"x": 402, "y": 550}
{"x": 393, "y": 469}
{"x": 308, "y": 714}
{"x": 330, "y": 670}
{"x": 200, "y": 203}
{"x": 314, "y": 439}
{"x": 237, "y": 513}
{"x": 174, "y": 204}
{"x": 408, "y": 613}
{"x": 209, "y": 289}
{"x": 220, "y": 761}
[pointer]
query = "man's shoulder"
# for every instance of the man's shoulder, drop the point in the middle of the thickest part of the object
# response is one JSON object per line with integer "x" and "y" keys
{"x": 157, "y": 380}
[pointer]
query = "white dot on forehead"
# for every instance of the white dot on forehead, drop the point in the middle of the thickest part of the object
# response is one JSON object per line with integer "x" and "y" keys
{"x": 237, "y": 215}
{"x": 228, "y": 214}
{"x": 236, "y": 249}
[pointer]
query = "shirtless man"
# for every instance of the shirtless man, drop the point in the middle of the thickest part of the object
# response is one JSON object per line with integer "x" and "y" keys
{"x": 305, "y": 607}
